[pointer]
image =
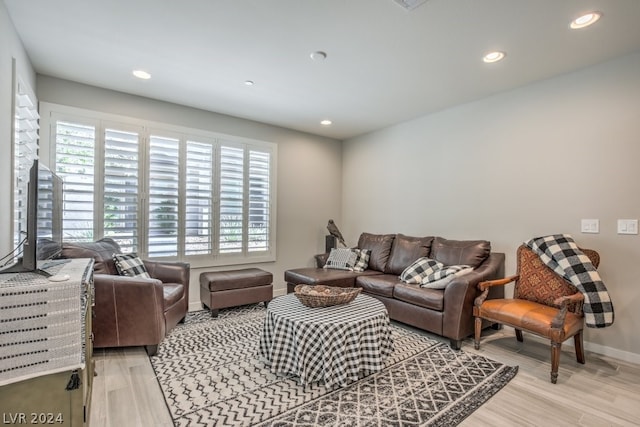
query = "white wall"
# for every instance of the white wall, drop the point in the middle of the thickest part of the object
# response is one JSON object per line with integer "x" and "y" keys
{"x": 10, "y": 49}
{"x": 309, "y": 167}
{"x": 523, "y": 163}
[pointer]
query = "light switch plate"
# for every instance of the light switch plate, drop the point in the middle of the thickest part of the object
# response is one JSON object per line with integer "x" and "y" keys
{"x": 590, "y": 226}
{"x": 627, "y": 226}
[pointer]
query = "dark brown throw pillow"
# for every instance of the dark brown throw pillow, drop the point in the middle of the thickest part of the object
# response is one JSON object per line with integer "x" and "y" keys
{"x": 101, "y": 251}
{"x": 405, "y": 250}
{"x": 380, "y": 246}
{"x": 460, "y": 252}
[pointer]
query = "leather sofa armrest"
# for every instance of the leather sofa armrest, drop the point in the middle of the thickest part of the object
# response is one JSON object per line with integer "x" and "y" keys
{"x": 128, "y": 311}
{"x": 459, "y": 296}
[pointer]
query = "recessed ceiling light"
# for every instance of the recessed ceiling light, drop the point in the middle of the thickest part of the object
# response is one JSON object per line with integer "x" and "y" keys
{"x": 494, "y": 56}
{"x": 410, "y": 4}
{"x": 141, "y": 74}
{"x": 318, "y": 56}
{"x": 249, "y": 82}
{"x": 325, "y": 122}
{"x": 585, "y": 20}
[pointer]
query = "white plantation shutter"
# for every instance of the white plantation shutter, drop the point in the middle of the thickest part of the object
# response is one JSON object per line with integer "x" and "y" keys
{"x": 231, "y": 199}
{"x": 163, "y": 194}
{"x": 25, "y": 152}
{"x": 259, "y": 200}
{"x": 121, "y": 188}
{"x": 199, "y": 198}
{"x": 75, "y": 161}
{"x": 45, "y": 205}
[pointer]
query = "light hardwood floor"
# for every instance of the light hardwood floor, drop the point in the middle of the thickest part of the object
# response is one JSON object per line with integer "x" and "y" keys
{"x": 603, "y": 392}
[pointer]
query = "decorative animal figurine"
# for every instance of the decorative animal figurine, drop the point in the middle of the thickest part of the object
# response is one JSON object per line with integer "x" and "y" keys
{"x": 335, "y": 232}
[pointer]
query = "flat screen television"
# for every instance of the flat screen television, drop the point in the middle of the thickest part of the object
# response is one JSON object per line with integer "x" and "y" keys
{"x": 44, "y": 221}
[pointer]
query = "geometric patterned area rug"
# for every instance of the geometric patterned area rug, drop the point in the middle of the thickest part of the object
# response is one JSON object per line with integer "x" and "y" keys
{"x": 211, "y": 375}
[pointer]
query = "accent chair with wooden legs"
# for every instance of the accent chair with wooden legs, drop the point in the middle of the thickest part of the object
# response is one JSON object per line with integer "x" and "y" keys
{"x": 543, "y": 304}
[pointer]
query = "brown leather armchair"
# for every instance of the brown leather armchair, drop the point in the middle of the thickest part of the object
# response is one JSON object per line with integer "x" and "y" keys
{"x": 133, "y": 311}
{"x": 543, "y": 304}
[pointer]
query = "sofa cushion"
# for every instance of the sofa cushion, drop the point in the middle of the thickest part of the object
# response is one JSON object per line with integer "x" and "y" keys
{"x": 380, "y": 246}
{"x": 405, "y": 250}
{"x": 460, "y": 252}
{"x": 381, "y": 284}
{"x": 322, "y": 276}
{"x": 422, "y": 297}
{"x": 101, "y": 251}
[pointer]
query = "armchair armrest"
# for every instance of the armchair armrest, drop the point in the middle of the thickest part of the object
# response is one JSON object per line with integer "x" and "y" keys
{"x": 486, "y": 286}
{"x": 558, "y": 320}
{"x": 578, "y": 297}
{"x": 497, "y": 282}
{"x": 169, "y": 272}
{"x": 128, "y": 311}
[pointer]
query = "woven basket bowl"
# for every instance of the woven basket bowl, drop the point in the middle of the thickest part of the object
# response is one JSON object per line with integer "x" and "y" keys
{"x": 324, "y": 296}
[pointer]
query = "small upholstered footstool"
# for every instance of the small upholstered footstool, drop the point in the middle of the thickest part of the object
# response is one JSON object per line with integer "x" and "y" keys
{"x": 222, "y": 289}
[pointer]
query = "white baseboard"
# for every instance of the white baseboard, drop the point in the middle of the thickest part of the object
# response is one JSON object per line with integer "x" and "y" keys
{"x": 279, "y": 292}
{"x": 623, "y": 356}
{"x": 195, "y": 306}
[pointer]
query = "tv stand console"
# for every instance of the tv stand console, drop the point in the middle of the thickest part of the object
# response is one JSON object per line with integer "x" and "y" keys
{"x": 46, "y": 368}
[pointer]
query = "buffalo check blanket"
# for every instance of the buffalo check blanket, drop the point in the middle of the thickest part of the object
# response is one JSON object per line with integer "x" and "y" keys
{"x": 560, "y": 253}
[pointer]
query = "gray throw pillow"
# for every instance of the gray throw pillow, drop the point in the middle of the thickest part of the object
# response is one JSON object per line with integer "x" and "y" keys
{"x": 341, "y": 259}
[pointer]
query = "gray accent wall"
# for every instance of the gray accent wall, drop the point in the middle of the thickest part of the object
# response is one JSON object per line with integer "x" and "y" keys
{"x": 520, "y": 164}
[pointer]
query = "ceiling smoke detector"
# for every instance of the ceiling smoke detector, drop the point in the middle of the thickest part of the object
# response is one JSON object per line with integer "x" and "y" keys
{"x": 410, "y": 4}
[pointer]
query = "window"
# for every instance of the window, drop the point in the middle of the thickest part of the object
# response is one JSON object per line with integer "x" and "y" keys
{"x": 164, "y": 196}
{"x": 199, "y": 198}
{"x": 25, "y": 151}
{"x": 231, "y": 204}
{"x": 122, "y": 187}
{"x": 164, "y": 193}
{"x": 75, "y": 148}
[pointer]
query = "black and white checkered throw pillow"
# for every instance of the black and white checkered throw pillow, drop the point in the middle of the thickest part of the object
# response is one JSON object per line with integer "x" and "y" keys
{"x": 419, "y": 269}
{"x": 441, "y": 278}
{"x": 362, "y": 259}
{"x": 442, "y": 273}
{"x": 130, "y": 265}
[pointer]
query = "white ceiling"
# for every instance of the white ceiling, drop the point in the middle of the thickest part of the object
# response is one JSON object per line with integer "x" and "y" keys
{"x": 384, "y": 64}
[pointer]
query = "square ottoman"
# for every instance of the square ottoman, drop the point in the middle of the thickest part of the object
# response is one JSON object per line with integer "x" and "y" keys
{"x": 230, "y": 288}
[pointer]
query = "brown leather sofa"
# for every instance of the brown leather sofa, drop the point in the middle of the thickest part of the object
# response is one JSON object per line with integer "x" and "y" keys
{"x": 133, "y": 311}
{"x": 447, "y": 312}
